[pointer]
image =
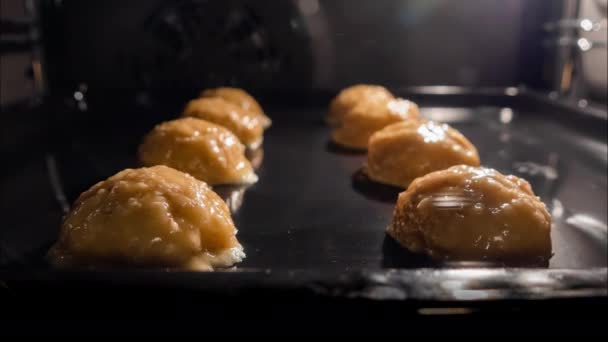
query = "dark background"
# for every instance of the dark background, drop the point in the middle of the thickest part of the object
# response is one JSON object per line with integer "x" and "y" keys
{"x": 270, "y": 44}
{"x": 182, "y": 46}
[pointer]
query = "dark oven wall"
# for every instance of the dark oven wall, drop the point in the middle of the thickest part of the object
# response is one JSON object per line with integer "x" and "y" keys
{"x": 301, "y": 44}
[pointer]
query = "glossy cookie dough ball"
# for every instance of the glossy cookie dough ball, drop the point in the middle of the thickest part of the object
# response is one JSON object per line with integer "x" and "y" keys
{"x": 370, "y": 116}
{"x": 205, "y": 150}
{"x": 244, "y": 124}
{"x": 349, "y": 97}
{"x": 240, "y": 98}
{"x": 403, "y": 151}
{"x": 473, "y": 214}
{"x": 148, "y": 217}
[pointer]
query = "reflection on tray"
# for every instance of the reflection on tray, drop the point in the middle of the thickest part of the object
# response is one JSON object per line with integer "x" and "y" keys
{"x": 233, "y": 195}
{"x": 255, "y": 156}
{"x": 396, "y": 256}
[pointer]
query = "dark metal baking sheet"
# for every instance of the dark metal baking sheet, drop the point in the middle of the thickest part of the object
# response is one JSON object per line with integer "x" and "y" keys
{"x": 312, "y": 215}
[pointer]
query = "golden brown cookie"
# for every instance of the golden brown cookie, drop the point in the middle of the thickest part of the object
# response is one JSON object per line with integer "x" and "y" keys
{"x": 370, "y": 116}
{"x": 148, "y": 217}
{"x": 244, "y": 124}
{"x": 205, "y": 150}
{"x": 470, "y": 213}
{"x": 401, "y": 152}
{"x": 240, "y": 98}
{"x": 349, "y": 97}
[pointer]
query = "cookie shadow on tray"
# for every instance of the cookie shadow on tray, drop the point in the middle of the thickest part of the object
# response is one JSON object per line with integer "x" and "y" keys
{"x": 374, "y": 190}
{"x": 334, "y": 148}
{"x": 396, "y": 256}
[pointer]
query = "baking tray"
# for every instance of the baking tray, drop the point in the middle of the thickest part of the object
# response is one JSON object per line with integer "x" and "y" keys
{"x": 313, "y": 224}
